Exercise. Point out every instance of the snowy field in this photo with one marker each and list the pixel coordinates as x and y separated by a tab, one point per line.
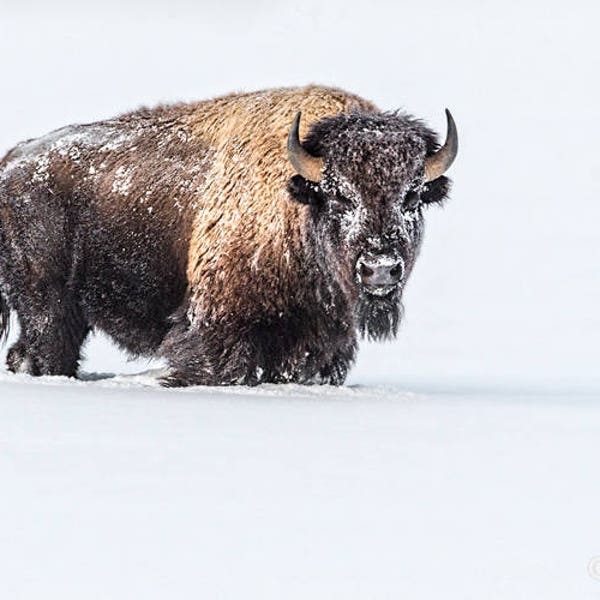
116	490
461	461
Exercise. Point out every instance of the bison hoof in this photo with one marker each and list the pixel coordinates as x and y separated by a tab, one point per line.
17	360
178	379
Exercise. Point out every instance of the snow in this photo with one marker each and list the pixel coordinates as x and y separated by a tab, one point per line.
115	489
462	460
122	181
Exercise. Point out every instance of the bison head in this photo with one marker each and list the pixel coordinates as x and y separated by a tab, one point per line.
367	178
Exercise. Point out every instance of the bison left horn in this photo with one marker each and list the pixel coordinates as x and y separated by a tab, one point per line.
437	164
307	165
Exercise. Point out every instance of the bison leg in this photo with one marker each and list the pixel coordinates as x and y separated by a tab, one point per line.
208	358
250	353
335	372
16	358
52	333
182	348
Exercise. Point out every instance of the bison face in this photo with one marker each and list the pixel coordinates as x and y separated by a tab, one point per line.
368	178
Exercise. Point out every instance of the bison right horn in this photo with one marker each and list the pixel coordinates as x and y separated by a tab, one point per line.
307	165
437	164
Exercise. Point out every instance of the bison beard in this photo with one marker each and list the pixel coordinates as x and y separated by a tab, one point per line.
184	232
378	318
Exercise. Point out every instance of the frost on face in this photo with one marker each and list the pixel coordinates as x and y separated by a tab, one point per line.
352	222
408	220
354	216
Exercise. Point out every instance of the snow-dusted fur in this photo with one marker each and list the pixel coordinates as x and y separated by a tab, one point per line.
183	232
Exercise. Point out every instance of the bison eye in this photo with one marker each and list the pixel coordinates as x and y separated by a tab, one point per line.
412	200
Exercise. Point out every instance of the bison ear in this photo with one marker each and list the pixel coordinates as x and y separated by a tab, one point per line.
436	191
304	191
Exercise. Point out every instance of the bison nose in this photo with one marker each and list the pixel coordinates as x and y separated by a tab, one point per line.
380	270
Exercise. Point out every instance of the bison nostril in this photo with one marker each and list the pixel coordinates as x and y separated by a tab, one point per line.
365	271
396	271
380	271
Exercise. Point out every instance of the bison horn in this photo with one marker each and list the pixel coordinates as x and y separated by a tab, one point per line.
437	164
307	165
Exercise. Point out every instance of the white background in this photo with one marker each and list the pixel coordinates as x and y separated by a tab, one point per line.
473	472
507	288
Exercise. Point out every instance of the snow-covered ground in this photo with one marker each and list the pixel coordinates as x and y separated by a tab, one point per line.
116	490
461	461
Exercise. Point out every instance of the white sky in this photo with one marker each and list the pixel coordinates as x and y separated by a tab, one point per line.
507	287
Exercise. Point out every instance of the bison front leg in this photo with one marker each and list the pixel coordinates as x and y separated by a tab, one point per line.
203	358
333	370
334	373
249	353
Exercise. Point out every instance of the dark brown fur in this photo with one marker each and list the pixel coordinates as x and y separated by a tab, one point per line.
174	230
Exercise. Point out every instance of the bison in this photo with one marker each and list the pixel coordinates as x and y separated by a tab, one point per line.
245	239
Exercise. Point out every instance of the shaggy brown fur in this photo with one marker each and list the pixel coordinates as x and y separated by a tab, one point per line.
175	231
245	213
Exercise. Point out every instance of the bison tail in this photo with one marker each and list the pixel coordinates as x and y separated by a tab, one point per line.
4	319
